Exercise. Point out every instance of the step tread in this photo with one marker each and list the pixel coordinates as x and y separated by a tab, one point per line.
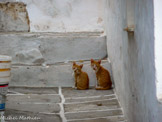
33	90
29	98
85	99
92	105
70	92
92	114
104	119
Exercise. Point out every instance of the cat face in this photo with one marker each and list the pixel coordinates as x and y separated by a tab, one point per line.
95	64
77	68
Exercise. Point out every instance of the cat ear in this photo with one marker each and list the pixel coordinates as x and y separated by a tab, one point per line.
81	65
99	61
74	63
92	60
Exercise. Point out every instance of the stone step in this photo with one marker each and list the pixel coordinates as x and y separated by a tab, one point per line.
33	107
51	75
30	98
92	114
21	116
91	105
32	90
85	99
50	48
71	93
104	119
34	103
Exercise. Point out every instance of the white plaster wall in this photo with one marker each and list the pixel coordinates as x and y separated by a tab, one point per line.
158	45
158	53
65	15
132	59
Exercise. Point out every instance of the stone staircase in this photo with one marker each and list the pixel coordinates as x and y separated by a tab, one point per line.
42	78
44	59
62	104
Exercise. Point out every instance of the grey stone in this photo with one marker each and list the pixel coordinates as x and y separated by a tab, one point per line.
14	17
30	98
71	93
50	76
31	55
85	99
33	90
33	107
105	119
92	114
41	117
52	48
92	105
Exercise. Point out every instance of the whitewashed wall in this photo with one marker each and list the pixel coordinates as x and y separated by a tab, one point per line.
158	44
64	15
158	53
132	59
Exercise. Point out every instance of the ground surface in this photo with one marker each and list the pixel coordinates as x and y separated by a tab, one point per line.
62	104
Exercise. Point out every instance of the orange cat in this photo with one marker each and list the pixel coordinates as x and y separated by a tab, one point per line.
81	78
103	76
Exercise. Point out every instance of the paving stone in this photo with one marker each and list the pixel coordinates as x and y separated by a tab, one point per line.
40	117
33	90
106	119
30	98
93	98
33	107
93	114
93	105
71	93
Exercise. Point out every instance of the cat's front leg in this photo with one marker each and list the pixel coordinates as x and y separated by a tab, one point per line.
97	84
75	83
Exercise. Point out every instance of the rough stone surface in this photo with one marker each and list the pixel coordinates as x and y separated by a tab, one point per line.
41	117
50	48
14	17
33	107
92	105
39	98
71	93
93	98
104	119
33	90
132	59
50	76
92	114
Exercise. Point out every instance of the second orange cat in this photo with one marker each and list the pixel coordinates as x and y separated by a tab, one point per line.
103	76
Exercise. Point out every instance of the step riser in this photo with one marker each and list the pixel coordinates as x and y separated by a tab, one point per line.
93	105
29	48
53	76
90	114
104	119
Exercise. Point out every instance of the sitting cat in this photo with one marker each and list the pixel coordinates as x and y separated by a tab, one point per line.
103	76
81	78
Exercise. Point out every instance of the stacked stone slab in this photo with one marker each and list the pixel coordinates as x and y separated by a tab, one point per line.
45	59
